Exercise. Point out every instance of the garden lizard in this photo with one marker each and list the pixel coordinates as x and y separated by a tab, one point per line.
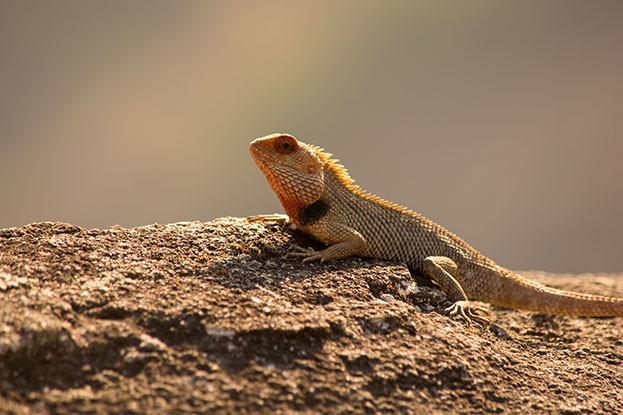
321	199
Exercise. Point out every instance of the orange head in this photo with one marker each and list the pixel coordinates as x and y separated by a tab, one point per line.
293	169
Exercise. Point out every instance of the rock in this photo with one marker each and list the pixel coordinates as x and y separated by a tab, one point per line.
199	317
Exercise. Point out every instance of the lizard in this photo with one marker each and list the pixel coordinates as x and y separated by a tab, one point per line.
321	199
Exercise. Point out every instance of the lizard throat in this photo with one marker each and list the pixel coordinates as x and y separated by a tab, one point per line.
299	195
314	212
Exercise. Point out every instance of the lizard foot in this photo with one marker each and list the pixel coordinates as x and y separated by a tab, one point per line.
308	254
470	312
274	219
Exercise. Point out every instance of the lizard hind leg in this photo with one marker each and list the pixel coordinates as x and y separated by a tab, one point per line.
442	270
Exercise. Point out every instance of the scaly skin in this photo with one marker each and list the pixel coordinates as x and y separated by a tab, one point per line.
320	198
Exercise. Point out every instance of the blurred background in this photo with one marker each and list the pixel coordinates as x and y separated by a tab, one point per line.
503	121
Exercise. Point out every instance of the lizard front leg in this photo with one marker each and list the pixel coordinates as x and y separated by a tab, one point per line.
343	242
442	270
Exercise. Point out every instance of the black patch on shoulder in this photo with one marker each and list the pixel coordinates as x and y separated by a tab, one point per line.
311	214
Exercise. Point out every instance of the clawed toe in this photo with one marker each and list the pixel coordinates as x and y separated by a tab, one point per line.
470	312
301	250
308	254
276	219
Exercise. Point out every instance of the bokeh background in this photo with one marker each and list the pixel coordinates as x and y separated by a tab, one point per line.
502	120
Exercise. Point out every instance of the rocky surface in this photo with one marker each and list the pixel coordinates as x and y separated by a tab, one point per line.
208	318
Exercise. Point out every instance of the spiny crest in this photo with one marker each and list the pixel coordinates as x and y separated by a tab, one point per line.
339	171
332	165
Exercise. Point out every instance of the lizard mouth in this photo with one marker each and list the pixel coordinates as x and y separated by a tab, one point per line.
264	159
260	155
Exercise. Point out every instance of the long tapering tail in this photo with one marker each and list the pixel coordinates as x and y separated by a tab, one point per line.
533	296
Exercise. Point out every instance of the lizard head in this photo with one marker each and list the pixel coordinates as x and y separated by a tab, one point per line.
293	169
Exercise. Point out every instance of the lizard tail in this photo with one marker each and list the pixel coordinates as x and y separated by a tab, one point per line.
533	296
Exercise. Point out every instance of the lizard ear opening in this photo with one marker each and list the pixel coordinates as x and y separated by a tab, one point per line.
313	168
285	145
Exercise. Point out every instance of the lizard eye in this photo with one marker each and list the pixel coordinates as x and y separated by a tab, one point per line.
285	145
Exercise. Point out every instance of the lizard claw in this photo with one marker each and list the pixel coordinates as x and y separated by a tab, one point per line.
308	254
276	219
470	312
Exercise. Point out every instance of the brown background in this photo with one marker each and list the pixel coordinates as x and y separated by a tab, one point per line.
501	120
